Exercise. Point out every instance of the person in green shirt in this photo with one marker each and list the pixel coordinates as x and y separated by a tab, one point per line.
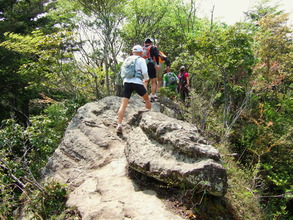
170	81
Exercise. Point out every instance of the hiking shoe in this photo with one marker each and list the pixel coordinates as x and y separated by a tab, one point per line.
119	130
152	99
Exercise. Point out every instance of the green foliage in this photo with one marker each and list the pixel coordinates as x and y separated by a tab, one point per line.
25	151
255	101
8	203
41	52
143	18
169	23
260	10
264	135
26	53
221	69
105	18
61	15
47	203
204	115
168	93
21	16
48	67
266	138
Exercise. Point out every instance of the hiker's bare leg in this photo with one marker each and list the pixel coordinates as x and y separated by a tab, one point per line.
121	110
159	73
145	83
153	86
154	81
159	84
146	98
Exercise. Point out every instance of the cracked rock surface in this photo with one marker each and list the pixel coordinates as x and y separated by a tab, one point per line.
94	162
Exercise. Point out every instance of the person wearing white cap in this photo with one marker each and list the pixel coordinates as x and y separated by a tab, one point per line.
134	83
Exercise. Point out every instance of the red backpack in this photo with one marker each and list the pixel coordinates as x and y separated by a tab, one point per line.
182	79
146	52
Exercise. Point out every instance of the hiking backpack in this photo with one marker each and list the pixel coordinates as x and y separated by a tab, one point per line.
128	68
182	79
147	54
162	57
172	78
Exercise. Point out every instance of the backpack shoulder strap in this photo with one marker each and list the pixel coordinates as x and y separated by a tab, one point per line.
136	72
146	52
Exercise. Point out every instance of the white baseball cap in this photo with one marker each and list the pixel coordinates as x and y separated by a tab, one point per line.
137	48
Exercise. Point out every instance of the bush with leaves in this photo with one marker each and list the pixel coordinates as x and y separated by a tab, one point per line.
25	151
47	201
264	141
168	93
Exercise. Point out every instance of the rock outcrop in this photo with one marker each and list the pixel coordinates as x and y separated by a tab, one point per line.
94	161
172	151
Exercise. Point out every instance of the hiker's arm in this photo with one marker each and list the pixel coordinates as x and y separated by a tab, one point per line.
167	62
156	54
164	81
187	80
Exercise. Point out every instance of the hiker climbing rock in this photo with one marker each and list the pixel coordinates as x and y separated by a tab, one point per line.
151	56
133	71
159	73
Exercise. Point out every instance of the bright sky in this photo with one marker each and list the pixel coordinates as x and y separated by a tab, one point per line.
231	11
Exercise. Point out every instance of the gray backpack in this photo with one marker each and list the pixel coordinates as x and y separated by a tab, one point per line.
128	68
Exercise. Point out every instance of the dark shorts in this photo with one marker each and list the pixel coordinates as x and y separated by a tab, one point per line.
151	70
130	87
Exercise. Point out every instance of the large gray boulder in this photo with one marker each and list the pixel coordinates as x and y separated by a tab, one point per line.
93	161
172	151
